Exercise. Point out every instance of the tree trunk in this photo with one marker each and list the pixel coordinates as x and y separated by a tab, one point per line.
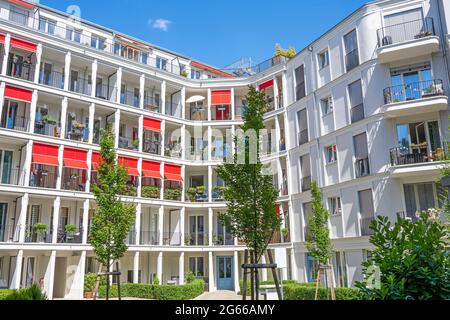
317	282
256	278
252	277
97	281
244	283
107	278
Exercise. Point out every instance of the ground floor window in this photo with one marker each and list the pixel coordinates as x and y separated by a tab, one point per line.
340	269
130	276
196	266
312	266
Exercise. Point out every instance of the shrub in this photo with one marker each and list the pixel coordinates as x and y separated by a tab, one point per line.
271	282
89	282
5	293
157	292
150	192
301	292
189	277
32	293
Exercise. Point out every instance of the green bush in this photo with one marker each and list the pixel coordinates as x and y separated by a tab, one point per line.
271	282
156	292
172	194
150	192
5	293
301	292
32	293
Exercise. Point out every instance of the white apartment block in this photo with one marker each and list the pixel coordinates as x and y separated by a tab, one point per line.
363	110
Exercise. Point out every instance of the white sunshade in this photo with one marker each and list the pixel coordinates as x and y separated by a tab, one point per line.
195	99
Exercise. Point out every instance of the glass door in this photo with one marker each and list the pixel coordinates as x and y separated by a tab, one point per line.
225	278
5	166
28	272
196	230
3	228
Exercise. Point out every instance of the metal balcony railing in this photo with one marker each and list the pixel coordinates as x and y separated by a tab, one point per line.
53	79
80	85
70	237
72	179
152	104
129	98
78	134
128	143
413	91
152	147
24	71
17	123
45	128
406	31
43	179
362	168
196	239
35	237
222	239
403	156
105	92
172	238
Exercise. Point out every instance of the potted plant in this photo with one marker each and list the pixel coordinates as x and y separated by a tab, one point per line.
150	192
184	73
285	232
172	194
89	284
40	229
201	190
49	120
187	240
135	144
192	193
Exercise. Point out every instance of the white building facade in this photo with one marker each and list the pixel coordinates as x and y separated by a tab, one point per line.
363	111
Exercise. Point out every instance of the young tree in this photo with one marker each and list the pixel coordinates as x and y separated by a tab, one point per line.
113	219
318	241
410	260
251	210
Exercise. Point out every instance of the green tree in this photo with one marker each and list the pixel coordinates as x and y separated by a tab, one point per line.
251	210
410	260
113	218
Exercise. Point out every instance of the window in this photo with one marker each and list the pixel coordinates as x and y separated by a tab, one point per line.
305	165
161	63
410	83
196	266
340	269
331	154
324	59
361	155
94	40
300	90
351	50
303	135
420	197
130	275
144	57
73	35
335	205
326	105
195	74
366	210
46	25
356	101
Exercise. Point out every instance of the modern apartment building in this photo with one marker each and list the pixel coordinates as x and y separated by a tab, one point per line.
363	110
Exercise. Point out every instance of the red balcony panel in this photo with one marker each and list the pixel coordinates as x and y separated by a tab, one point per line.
152	124
131	164
221	97
172	173
266	85
151	169
18	94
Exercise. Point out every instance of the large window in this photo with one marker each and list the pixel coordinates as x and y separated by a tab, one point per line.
335	205
361	155
161	63
420	197
410	83
324	59
300	90
327	105
305	164
351	50
356	101
46	25
302	120
366	210
196	266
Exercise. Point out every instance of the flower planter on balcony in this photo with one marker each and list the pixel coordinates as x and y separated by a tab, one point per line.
150	192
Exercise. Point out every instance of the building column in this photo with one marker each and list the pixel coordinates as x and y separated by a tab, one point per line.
279	174
77	288
163	97
68	62
60	167
182	225
161	225
56	211
49	277
64	107
183	176
210	227
141	132
23	217
161	172
27	163
94	78
159	266
37	69
236	272
293	266
233	144
2	98
89	170
209	105
210	184
119	85
183	103
233	105
15	281
137	225
91	122
163	138
181	268
210	146
85	226
263	271
7	47
139	188
277	134
284	87
141	91
275	93
33	105
211	272
117	128
136	268
183	142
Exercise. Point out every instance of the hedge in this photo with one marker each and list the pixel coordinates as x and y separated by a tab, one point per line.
301	292
271	282
156	292
5	293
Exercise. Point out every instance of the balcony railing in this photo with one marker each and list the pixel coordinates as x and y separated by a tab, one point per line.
52	79
17	123
105	92
35	237
150	192
80	85
351	60
131	237
413	91
406	31
149	238
47	129
152	104
70	237
24	71
357	113
173	150
128	143
362	168
306	184
407	215
365	226
403	156
152	147
11	176
172	238
43	179
78	134
196	239
173	194
9	233
223	239
129	98
73	180
284	190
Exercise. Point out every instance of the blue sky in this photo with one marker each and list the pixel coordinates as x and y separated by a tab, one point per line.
218	32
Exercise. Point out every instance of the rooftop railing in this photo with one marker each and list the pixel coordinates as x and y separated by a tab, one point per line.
406	31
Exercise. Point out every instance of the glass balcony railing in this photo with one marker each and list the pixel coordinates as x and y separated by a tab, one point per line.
413	91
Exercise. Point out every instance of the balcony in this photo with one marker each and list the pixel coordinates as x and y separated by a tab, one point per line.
130	98
407	163
78	133
415	98
73	179
128	143
172	238
173	150
152	103
150	238
10	176
131	237
105	92
196	239
407	40
36	235
81	86
43	177
131	187
152	146
220	239
150	191
197	194
47	127
70	234
173	194
9	232
16	123
24	71
218	194
365	226
362	167
52	79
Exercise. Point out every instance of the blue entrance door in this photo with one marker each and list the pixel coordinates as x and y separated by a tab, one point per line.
224	266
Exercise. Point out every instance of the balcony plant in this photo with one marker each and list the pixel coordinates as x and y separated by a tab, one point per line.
150	192
187	240
135	144
285	232
40	229
192	194
130	191
172	194
49	120
184	73
89	284
219	192
70	229
280	52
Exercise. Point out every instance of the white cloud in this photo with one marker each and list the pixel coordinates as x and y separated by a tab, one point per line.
161	24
